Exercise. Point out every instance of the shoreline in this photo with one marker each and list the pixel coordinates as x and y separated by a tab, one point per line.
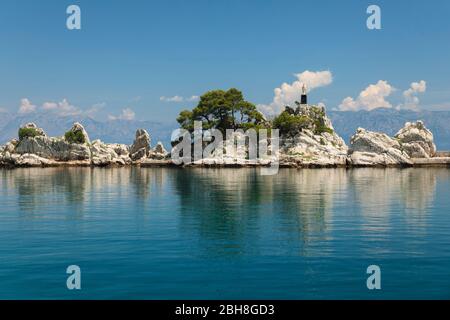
416	163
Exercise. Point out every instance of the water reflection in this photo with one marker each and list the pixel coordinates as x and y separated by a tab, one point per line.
236	211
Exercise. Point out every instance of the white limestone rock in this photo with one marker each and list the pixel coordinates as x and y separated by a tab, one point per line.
30	160
309	149
53	148
416	140
105	154
376	149
141	145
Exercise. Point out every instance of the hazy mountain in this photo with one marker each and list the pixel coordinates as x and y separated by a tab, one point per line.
390	121
120	131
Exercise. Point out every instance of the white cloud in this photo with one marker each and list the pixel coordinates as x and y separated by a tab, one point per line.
63	108
411	100
179	98
49	106
172	99
127	114
193	98
287	93
26	106
372	97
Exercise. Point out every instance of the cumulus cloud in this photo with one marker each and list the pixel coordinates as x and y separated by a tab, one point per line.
411	100
63	108
26	106
287	93
127	114
372	97
179	99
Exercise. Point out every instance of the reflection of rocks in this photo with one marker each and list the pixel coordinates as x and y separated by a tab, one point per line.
418	188
379	191
238	201
238	212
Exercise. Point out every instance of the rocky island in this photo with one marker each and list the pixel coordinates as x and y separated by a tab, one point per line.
307	139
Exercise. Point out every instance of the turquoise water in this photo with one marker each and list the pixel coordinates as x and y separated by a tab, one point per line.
160	233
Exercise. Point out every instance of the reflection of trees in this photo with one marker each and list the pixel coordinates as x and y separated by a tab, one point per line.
305	200
218	204
248	210
233	211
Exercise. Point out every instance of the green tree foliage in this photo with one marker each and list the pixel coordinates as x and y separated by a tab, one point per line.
291	124
292	121
75	137
27	133
222	110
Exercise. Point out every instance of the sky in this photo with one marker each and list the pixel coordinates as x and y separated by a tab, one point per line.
149	60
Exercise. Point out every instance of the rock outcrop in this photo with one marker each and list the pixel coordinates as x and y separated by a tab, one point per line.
416	140
313	145
158	153
78	128
309	149
53	148
37	131
141	145
373	148
107	154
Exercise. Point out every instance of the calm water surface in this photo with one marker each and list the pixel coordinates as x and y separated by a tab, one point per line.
159	233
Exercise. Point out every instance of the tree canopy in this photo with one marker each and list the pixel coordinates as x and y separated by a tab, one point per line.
222	110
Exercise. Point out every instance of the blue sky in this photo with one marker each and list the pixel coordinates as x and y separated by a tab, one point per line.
129	54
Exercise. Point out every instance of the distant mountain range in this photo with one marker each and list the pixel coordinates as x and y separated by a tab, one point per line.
123	131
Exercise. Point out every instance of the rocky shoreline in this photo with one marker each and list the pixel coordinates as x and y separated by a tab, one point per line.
412	146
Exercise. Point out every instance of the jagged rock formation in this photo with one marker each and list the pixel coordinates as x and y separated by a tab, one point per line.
57	149
35	148
141	145
314	143
416	140
374	148
309	149
78	128
107	154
